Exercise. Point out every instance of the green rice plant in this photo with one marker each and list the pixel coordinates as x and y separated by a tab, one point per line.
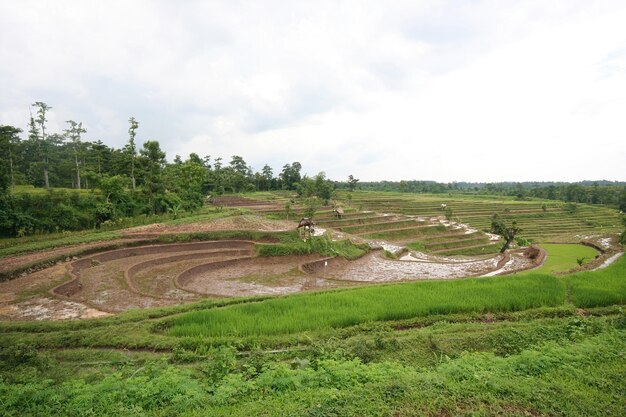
480	250
599	288
320	311
563	257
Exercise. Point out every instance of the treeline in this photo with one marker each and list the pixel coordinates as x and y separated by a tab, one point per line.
111	183
596	192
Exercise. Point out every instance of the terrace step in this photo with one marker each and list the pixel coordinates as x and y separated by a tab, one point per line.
441	251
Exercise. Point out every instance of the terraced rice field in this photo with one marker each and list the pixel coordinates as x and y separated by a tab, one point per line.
540	220
152	275
419	219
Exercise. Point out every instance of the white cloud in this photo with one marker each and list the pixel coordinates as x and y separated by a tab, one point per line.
424	90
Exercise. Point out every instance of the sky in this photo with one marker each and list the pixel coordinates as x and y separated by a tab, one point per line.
417	90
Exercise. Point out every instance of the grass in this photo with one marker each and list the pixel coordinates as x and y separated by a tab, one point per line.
346	308
16	246
417	245
31	189
563	257
291	244
481	250
34	243
599	288
526	365
319	311
497	346
512	345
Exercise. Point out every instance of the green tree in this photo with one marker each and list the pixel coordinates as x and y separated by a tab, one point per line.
42	109
267	175
73	134
187	181
290	176
508	232
101	154
152	162
352	182
323	187
238	164
131	149
9	142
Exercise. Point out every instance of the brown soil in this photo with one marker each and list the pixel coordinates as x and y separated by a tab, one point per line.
165	274
13	262
243	222
25	298
252	276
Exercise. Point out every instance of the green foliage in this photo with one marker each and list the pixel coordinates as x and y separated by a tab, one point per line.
418	246
311	205
564	257
507	231
291	244
340	309
599	288
570	208
52	211
521	241
352	183
380	350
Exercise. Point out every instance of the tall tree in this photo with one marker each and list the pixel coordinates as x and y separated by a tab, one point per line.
352	182
239	165
290	175
73	134
267	174
42	109
152	162
101	154
9	141
131	149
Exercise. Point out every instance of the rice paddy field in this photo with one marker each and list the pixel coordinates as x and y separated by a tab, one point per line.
549	341
406	218
565	257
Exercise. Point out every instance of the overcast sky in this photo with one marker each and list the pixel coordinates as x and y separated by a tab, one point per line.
440	90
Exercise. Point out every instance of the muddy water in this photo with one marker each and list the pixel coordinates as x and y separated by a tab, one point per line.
375	268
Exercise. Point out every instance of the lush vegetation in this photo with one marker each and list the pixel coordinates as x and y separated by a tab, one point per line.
531	344
484	360
565	257
346	308
120	183
612	193
292	244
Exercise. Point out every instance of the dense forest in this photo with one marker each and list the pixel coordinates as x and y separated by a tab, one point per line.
111	183
590	192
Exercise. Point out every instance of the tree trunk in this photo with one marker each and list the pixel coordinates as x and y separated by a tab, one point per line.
77	170
45	158
506	245
45	173
11	171
132	172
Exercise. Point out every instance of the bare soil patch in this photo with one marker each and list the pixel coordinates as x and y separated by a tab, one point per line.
243	222
256	276
13	262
